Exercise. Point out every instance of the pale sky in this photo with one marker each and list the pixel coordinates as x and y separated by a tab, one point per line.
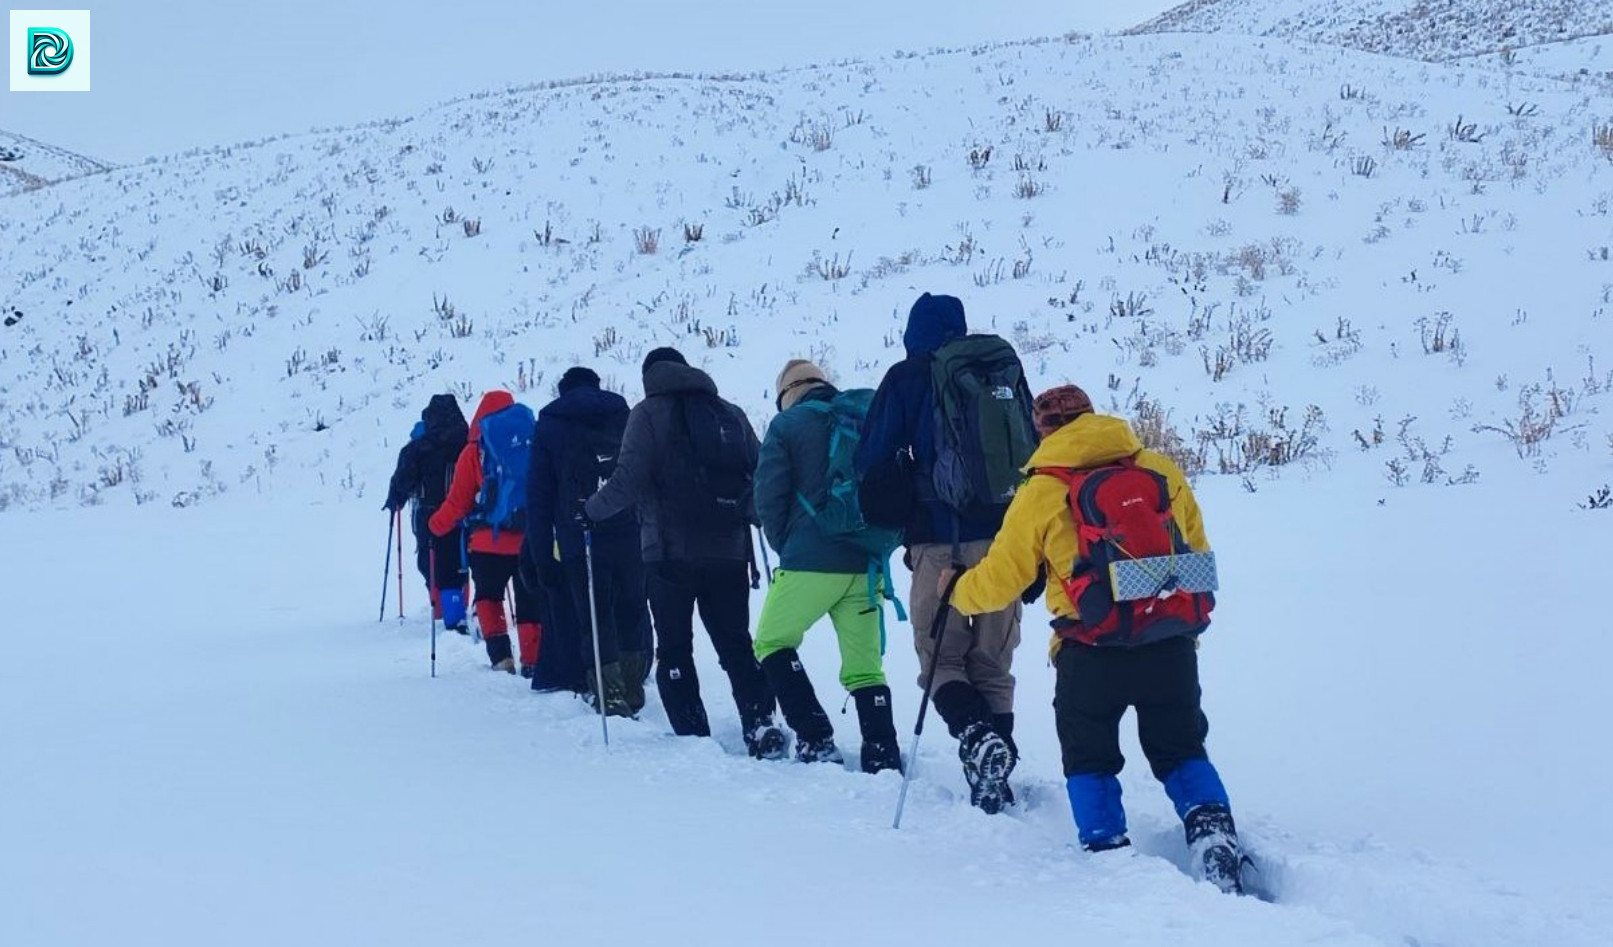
174	74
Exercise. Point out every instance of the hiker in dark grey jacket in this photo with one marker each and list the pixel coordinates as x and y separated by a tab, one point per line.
685	466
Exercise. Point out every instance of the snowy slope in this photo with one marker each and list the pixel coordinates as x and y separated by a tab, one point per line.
1420	29
267	318
223	746
1389	331
26	164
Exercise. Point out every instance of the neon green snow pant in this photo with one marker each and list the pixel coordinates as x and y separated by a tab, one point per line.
797	600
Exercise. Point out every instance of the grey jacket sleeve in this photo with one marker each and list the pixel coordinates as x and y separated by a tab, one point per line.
630	484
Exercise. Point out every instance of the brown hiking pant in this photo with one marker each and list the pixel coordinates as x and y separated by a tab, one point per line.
977	650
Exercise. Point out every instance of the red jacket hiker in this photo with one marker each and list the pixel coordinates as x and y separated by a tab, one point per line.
492	558
467	484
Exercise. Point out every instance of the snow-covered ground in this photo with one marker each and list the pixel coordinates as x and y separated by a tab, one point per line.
1587	60
210	739
1369	297
1434	30
26	164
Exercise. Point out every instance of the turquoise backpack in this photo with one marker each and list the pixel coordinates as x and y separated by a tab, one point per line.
839	513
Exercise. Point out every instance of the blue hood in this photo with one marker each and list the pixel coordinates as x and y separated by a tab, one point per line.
932	322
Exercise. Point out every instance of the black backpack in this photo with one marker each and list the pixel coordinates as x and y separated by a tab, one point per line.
985	431
711	489
588	461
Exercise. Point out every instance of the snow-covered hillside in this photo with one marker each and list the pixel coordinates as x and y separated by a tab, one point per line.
26	164
1368	301
1420	29
1288	252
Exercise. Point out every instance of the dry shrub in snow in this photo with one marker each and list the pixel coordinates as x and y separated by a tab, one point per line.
1602	137
1153	424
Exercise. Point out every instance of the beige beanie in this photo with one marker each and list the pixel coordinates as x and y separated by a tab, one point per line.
798	377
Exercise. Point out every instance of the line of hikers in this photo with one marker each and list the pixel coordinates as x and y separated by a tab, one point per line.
591	510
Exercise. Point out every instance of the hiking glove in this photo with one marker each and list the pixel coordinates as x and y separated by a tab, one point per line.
1035	589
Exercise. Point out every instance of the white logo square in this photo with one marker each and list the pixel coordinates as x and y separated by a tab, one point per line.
49	50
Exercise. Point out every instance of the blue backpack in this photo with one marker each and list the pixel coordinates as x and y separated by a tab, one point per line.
838	513
506	447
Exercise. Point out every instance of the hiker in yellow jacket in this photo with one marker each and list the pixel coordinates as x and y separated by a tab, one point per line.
1153	667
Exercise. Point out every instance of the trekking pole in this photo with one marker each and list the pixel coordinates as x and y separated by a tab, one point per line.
386	570
593	618
400	564
767	564
431	559
938	630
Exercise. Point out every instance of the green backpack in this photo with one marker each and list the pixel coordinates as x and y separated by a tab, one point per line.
984	430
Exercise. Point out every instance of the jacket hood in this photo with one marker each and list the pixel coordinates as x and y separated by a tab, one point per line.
585	404
1090	440
823	391
933	322
492	402
671	378
445	423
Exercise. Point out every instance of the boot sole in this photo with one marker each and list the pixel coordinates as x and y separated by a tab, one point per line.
991	793
771	745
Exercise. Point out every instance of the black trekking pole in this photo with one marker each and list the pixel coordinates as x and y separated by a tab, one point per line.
386	570
938	630
593	617
436	603
400	565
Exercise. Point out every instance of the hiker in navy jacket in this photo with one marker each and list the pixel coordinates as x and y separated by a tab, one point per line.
586	419
974	682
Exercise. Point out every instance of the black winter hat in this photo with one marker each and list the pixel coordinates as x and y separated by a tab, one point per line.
663	354
577	377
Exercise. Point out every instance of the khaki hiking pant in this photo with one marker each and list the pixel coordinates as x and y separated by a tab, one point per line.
978	650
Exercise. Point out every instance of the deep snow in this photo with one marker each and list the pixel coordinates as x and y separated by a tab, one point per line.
211	739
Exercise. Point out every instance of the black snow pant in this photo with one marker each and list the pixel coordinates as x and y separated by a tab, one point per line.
720	589
446	553
561	665
1097	684
618	594
491	572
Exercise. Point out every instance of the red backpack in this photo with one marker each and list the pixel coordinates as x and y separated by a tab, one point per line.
1122	512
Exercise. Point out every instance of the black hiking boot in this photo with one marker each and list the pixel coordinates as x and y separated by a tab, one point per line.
498	653
880	750
817	751
800	704
1004	725
764	741
1212	847
635	667
987	761
615	692
1107	845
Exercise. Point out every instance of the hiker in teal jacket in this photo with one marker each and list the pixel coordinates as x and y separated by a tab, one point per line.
818	575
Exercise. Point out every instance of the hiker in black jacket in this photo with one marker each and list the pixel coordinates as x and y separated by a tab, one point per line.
574	448
425	465
685	466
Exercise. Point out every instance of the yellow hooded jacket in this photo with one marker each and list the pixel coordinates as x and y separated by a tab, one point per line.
1038	528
